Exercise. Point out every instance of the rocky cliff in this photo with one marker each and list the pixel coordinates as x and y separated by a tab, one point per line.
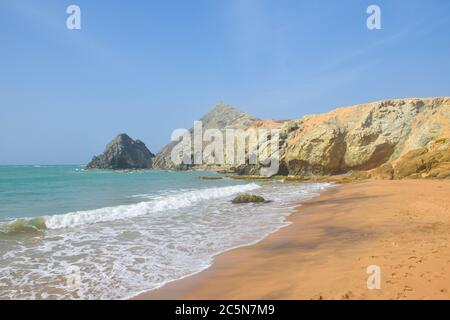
123	153
366	137
221	117
404	138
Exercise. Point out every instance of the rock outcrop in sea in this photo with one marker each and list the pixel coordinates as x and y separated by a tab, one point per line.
123	153
391	139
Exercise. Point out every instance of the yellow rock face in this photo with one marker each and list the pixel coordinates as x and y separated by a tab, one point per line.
368	137
432	162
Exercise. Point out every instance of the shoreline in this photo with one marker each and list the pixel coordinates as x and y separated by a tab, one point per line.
286	224
331	240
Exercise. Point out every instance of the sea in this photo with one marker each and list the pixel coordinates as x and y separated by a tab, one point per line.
71	233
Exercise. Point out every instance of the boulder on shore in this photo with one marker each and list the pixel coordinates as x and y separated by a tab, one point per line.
248	198
123	153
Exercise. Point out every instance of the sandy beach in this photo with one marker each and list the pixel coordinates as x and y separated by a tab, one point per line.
400	226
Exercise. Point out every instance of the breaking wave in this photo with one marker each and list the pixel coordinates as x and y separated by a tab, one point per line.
158	204
19	226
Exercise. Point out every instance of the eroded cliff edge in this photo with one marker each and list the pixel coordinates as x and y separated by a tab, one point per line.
403	138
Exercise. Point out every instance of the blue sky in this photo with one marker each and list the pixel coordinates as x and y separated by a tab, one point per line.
148	67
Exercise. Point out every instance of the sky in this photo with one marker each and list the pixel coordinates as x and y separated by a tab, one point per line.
149	67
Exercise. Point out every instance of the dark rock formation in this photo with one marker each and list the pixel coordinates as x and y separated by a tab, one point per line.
123	153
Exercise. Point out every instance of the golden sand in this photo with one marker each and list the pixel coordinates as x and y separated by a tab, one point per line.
401	226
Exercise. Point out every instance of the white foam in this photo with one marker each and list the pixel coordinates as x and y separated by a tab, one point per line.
122	258
176	201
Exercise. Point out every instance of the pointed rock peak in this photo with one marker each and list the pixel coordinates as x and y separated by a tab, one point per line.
221	108
224	115
125	140
122	137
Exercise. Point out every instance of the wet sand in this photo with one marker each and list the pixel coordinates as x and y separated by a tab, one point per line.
403	227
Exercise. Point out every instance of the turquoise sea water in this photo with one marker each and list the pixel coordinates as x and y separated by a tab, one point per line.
31	191
75	234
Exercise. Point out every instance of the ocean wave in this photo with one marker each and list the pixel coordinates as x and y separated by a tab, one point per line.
121	259
158	204
19	226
